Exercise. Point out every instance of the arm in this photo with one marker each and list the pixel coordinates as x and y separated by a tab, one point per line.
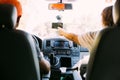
86	40
44	66
70	36
43	63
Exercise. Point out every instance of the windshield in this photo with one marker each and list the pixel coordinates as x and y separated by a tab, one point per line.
85	16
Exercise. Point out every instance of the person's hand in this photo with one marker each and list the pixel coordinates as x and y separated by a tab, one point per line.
61	31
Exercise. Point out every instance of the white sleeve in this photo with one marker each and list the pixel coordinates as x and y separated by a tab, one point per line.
39	53
86	40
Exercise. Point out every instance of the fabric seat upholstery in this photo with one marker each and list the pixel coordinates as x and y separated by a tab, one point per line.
18	56
104	63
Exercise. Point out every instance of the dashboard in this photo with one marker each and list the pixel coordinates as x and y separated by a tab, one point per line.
61	52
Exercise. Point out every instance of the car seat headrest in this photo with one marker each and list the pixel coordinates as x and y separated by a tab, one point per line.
8	16
116	12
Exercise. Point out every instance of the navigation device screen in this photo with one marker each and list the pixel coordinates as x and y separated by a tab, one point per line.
56	25
61	44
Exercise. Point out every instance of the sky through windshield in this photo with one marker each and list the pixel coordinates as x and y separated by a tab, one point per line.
85	16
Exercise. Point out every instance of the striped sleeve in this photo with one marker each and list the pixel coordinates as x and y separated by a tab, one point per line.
86	40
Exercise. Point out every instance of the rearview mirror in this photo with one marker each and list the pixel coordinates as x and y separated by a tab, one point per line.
60	6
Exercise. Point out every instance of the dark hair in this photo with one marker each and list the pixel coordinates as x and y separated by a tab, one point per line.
107	18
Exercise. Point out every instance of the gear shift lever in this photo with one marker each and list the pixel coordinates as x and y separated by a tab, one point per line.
53	60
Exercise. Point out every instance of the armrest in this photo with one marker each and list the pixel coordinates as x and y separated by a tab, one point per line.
76	75
46	76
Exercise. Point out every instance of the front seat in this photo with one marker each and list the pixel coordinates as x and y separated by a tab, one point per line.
104	63
18	56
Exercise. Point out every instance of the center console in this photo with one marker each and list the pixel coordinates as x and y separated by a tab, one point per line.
61	53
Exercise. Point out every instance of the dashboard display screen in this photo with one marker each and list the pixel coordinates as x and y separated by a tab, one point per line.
61	44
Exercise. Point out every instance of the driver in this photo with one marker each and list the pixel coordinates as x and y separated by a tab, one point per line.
44	64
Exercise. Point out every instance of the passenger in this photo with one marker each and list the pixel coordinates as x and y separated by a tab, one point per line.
87	39
44	64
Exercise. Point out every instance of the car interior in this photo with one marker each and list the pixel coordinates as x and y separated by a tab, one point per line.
19	60
104	60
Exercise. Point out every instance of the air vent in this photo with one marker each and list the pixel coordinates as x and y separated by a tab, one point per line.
74	44
48	43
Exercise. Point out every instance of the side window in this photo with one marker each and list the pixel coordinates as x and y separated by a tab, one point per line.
83	52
